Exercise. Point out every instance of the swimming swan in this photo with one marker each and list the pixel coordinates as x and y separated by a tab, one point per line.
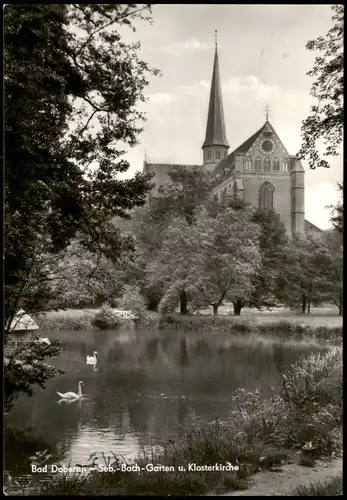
91	360
72	395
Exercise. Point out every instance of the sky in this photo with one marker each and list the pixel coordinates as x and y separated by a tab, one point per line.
263	61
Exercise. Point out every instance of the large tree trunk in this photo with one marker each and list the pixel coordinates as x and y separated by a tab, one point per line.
183	302
237	307
309	298
304	302
215	309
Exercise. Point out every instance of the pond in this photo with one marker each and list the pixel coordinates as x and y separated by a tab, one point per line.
141	392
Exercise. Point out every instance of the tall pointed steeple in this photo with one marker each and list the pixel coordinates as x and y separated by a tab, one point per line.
215	146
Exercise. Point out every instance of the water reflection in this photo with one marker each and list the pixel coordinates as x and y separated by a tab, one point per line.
141	391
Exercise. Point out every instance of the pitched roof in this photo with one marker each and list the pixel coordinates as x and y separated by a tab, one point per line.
229	162
23	321
309	227
215	129
162	170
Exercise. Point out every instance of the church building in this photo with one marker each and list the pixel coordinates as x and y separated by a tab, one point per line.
260	171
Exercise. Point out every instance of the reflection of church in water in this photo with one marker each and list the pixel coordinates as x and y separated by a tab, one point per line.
260	171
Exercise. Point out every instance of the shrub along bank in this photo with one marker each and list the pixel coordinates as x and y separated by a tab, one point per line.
104	318
305	417
280	329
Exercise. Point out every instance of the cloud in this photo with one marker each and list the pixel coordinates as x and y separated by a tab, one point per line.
161	99
287	54
192	44
246	84
196	88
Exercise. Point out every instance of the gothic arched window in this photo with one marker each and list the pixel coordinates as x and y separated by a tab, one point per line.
267	164
217	155
208	155
285	164
276	165
257	164
266	196
248	163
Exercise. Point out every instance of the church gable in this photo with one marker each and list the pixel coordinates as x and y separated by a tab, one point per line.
267	147
261	153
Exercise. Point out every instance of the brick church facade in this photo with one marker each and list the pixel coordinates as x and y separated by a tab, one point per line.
260	171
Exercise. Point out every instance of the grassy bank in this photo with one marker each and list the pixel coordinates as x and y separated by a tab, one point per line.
89	319
301	420
282	329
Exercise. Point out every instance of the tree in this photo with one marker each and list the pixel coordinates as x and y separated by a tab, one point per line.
169	268
25	367
186	190
81	278
214	258
309	273
333	241
179	198
80	83
227	256
132	300
327	116
72	87
337	212
273	244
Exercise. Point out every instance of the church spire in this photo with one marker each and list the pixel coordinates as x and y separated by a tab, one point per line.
215	130
215	145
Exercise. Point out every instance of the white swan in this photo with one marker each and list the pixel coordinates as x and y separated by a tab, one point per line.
91	360
72	395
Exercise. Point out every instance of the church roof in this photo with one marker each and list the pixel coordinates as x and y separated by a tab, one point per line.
229	162
309	227
215	129
162	170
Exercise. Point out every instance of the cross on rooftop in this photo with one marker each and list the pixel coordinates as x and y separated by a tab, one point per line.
267	111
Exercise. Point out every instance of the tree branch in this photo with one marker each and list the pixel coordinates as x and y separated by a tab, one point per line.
107	25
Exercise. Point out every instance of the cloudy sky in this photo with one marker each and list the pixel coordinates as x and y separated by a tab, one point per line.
263	60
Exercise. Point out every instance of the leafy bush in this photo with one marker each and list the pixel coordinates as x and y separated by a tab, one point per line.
312	390
105	319
132	300
67	322
25	367
201	323
331	487
220	324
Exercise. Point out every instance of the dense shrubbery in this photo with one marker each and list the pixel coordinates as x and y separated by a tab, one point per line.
25	367
105	319
312	391
66	322
133	301
329	488
220	324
